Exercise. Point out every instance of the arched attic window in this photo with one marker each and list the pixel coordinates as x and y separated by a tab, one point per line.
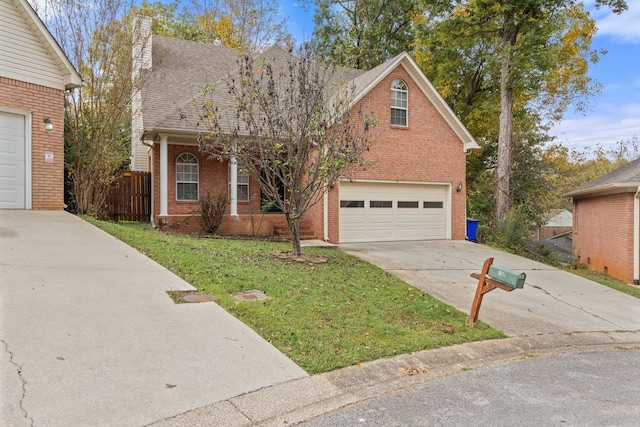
187	176
399	103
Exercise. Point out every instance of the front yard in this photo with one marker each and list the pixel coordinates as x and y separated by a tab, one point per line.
322	316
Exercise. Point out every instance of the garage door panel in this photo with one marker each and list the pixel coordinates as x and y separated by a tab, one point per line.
12	161
410	212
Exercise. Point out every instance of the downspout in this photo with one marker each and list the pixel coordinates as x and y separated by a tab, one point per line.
164	180
325	215
233	183
636	238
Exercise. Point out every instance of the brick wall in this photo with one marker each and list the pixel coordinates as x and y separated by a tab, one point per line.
41	102
603	234
183	216
427	150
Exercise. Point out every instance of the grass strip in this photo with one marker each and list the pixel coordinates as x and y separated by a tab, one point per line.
324	316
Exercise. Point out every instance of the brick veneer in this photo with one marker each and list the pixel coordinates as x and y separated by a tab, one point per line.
603	234
427	150
41	102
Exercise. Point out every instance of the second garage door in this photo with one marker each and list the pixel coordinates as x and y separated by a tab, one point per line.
378	212
12	161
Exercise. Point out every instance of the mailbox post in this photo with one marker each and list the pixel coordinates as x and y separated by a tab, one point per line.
490	278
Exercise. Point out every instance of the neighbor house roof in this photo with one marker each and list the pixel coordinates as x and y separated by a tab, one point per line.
172	97
626	178
70	75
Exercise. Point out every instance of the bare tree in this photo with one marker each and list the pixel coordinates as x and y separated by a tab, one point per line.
291	126
96	36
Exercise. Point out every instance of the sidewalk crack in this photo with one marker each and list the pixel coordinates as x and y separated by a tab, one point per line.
22	380
576	307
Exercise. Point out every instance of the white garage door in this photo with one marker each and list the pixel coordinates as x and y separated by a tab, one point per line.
12	161
378	212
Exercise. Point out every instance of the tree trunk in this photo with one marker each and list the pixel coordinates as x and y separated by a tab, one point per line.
504	137
294	230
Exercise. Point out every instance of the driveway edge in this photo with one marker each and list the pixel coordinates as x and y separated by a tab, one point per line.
300	400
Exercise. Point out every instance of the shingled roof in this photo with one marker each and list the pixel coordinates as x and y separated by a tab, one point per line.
182	68
624	179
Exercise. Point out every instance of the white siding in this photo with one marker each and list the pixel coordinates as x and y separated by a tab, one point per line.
23	55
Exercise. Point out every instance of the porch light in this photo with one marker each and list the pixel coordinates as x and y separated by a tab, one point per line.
459	188
48	125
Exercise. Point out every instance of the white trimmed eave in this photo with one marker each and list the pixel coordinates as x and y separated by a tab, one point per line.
71	76
154	133
468	141
604	190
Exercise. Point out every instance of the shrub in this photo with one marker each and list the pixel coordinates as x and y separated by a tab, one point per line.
212	207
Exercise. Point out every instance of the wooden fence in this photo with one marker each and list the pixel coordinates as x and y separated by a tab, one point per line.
130	197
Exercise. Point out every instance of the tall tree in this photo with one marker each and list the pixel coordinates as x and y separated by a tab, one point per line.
169	20
251	25
362	33
96	36
292	128
515	54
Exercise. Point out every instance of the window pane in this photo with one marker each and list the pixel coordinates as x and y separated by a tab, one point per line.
352	203
243	193
187	177
380	204
411	205
398	117
433	205
187	191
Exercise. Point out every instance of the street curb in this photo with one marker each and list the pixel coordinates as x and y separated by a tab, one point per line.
302	399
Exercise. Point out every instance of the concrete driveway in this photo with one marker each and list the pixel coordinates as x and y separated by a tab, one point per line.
552	301
88	335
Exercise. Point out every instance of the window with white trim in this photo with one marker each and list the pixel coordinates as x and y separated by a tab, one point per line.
399	103
187	175
243	183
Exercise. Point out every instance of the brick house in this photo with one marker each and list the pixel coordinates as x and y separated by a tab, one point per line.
34	75
606	223
416	191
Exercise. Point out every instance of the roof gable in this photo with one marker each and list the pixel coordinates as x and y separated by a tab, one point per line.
28	51
367	81
623	179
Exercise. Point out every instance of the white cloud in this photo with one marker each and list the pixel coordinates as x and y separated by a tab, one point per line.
611	124
624	27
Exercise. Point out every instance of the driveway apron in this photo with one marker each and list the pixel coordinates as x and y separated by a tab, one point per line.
552	301
90	337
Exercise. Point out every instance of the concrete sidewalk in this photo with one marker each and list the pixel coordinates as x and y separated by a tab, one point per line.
88	335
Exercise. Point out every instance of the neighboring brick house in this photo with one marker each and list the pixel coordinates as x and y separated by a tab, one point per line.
416	191
606	223
558	221
34	75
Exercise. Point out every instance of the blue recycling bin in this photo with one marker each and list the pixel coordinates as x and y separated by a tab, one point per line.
472	229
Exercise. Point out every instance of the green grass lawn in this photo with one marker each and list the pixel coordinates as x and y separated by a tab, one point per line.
324	316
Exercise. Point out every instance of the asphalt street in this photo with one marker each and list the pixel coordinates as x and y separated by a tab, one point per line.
585	389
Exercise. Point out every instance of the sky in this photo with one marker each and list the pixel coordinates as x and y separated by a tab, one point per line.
614	114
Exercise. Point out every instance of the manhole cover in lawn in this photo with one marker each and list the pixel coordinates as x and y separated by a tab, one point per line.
199	298
253	295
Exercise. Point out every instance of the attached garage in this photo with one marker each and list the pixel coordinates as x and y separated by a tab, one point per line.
34	77
378	211
12	161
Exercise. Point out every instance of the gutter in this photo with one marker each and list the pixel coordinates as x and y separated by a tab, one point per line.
636	238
